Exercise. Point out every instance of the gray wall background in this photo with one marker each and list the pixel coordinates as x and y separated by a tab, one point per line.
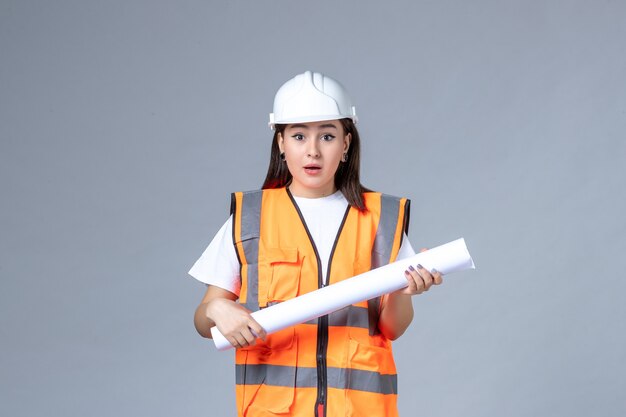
124	126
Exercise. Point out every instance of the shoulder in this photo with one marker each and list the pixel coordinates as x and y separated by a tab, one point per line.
239	195
374	200
388	209
253	201
248	199
258	193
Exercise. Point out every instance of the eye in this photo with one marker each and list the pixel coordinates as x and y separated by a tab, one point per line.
328	137
298	136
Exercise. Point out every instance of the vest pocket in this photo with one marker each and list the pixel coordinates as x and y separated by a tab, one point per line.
370	357
268	377
285	265
371	378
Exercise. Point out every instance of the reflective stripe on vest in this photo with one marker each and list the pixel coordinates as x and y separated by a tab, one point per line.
340	378
278	262
246	231
392	217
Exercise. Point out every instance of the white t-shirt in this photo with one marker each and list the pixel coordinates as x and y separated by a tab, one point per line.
219	266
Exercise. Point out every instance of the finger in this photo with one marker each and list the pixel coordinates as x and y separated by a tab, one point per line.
423	250
248	336
437	277
412	287
233	341
257	329
241	340
426	276
417	280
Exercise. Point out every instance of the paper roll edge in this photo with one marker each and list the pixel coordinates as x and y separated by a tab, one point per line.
470	262
219	340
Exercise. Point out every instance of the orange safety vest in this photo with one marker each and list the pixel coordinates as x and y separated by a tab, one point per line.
336	365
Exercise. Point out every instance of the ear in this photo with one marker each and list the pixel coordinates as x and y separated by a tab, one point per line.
346	142
280	142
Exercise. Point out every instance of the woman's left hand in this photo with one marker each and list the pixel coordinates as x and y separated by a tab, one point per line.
420	279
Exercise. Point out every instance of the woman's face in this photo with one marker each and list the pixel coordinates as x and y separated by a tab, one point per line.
313	152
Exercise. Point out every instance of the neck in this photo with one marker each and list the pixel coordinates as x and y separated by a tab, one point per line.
311	193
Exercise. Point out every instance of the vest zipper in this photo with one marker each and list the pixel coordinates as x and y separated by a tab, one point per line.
322	377
322	322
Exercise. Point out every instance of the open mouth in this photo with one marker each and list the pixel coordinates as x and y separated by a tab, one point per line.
312	169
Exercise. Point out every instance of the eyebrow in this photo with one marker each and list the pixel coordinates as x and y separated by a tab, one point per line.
324	126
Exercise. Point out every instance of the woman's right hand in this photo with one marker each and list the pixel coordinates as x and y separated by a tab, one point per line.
234	322
218	308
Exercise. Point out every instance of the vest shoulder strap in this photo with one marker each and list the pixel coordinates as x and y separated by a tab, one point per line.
245	208
393	224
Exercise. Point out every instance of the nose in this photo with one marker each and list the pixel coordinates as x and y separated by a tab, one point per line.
313	149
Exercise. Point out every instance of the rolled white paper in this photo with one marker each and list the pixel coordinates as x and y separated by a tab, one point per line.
451	257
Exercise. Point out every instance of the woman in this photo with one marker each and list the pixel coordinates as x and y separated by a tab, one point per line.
312	224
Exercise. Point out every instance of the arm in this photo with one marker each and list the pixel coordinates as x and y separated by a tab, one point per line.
396	314
202	319
397	308
219	308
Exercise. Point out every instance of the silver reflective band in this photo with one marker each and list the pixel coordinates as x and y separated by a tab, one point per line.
383	245
385	233
250	232
350	316
340	378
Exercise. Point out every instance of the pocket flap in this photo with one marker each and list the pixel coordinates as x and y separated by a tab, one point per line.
278	255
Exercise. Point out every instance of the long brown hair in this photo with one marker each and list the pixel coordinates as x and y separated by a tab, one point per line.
347	178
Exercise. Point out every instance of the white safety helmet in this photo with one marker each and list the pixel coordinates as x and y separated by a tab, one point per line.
311	97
